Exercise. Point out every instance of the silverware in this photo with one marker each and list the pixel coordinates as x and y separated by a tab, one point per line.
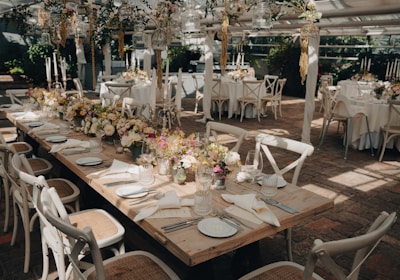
182	225
116	183
138	192
157	196
174	225
226	220
280	205
225	214
75	152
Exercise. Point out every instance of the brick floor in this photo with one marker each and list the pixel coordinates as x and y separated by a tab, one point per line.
361	186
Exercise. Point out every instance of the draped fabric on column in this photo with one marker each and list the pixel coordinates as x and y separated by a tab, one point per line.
147	55
208	76
107	57
311	83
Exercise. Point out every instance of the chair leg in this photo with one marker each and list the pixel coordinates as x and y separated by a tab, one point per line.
325	127
288	237
349	130
7	207
370	138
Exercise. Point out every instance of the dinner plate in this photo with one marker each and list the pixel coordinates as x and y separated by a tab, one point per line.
56	139
132	191
35	124
89	161
214	227
5	105
281	181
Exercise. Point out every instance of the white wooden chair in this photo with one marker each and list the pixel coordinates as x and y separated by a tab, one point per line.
121	89
199	94
130	107
251	96
270	82
225	134
69	244
22	202
108	232
79	87
327	253
324	81
344	110
19	147
299	150
109	99
277	97
217	97
392	127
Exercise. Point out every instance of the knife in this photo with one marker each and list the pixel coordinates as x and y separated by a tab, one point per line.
280	205
111	184
179	224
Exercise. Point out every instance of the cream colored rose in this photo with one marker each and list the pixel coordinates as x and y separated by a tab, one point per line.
109	129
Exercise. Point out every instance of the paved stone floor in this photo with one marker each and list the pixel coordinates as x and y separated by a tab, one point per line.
361	187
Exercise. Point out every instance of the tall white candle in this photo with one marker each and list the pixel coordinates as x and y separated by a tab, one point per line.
394	68
63	65
369	65
238	60
387	70
362	64
55	64
138	63
126	61
233	59
166	79
242	59
133	61
48	68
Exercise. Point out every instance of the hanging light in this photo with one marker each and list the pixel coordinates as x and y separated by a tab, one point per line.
159	39
190	19
262	16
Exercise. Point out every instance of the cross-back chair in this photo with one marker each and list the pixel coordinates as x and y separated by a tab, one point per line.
217	97
68	243
109	99
121	89
392	127
107	231
251	96
299	149
22	200
20	147
199	93
130	107
324	81
224	134
326	252
79	87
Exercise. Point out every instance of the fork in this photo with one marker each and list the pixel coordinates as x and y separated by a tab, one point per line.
157	196
226	220
228	216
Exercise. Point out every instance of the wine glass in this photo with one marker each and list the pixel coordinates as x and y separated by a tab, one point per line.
253	164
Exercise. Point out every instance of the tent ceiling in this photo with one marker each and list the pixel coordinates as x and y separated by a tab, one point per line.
339	17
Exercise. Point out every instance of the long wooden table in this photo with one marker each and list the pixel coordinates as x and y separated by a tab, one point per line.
189	245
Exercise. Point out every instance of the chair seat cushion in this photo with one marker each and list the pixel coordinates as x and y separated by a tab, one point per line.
132	266
285	271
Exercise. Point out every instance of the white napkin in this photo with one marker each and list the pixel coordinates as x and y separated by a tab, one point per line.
46	127
242	176
29	116
71	143
250	203
117	168
170	200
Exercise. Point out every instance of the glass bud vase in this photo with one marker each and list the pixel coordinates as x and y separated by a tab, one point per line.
220	181
179	176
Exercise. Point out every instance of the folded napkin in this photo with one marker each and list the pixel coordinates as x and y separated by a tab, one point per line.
46	127
170	200
71	143
250	203
29	116
117	168
242	176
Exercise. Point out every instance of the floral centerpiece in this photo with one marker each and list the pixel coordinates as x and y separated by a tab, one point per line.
50	99
133	131
134	75
222	160
394	91
365	77
238	74
77	108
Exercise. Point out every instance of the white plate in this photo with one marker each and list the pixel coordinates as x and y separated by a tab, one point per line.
281	181
5	105
56	139
138	191
89	161
214	227
35	124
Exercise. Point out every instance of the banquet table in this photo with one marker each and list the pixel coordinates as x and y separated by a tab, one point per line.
188	244
234	89
377	111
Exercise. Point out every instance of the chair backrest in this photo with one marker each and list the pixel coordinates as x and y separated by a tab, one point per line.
252	89
264	141
394	114
216	87
279	88
344	108
79	87
326	78
109	99
178	91
121	89
129	105
363	245
225	133
107	78
270	83
5	153
195	82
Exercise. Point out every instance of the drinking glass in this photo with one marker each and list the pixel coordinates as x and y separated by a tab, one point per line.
253	164
203	195
146	176
269	185
148	152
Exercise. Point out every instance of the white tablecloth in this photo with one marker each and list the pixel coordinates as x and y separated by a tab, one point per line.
234	89
377	112
140	91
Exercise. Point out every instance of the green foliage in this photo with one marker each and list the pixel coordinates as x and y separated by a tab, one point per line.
14	66
181	56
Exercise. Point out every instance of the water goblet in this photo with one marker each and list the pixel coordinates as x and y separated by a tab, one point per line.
253	164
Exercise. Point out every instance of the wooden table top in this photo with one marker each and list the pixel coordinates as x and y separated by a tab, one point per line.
189	244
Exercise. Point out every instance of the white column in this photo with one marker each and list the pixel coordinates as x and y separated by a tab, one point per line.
147	54
107	57
311	83
208	77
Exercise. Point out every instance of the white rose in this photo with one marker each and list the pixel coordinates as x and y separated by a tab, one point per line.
232	158
109	129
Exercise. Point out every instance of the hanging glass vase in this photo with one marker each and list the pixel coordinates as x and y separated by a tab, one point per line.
190	20
262	16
